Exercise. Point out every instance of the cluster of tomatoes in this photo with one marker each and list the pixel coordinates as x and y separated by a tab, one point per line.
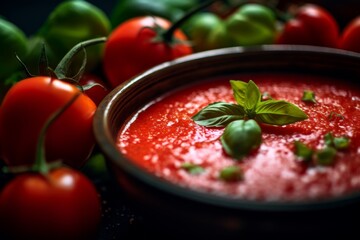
46	122
314	25
250	24
62	203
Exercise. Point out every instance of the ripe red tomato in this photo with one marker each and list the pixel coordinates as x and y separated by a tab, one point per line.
62	204
311	25
133	47
96	93
24	110
350	37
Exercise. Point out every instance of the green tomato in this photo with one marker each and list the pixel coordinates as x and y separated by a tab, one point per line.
12	41
252	24
199	27
207	31
219	38
72	22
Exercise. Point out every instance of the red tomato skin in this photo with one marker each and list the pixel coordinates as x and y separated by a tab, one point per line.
130	48
27	106
312	25
63	204
96	93
350	38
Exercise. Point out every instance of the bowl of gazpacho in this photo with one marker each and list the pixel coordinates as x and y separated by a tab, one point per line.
237	141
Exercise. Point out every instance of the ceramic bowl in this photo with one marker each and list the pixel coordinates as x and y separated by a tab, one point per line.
184	212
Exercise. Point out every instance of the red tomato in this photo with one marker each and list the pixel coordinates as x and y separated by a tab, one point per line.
63	204
133	48
350	38
311	25
27	106
96	93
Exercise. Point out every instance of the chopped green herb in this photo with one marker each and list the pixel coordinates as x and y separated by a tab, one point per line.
303	152
231	174
192	168
341	143
329	139
308	96
325	156
334	115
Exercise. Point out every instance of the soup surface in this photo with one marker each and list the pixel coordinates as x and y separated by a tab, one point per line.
161	137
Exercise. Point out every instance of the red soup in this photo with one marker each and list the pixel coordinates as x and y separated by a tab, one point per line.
162	136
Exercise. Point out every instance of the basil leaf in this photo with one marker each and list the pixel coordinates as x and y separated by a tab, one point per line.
239	90
219	114
279	112
308	96
240	137
231	174
252	98
192	168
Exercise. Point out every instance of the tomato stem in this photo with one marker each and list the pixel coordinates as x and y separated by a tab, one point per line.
169	34
62	68
40	163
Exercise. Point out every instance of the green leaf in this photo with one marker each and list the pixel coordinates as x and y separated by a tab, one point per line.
239	91
334	115
279	112
219	114
240	137
252	98
192	168
341	143
303	152
231	174
308	96
329	139
326	156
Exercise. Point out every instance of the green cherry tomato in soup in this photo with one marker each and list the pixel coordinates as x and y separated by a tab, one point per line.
24	110
12	40
62	204
137	45
311	25
350	37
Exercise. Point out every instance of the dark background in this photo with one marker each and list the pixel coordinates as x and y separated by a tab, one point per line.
29	15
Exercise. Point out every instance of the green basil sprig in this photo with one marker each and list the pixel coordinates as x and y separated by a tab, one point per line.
249	106
242	135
